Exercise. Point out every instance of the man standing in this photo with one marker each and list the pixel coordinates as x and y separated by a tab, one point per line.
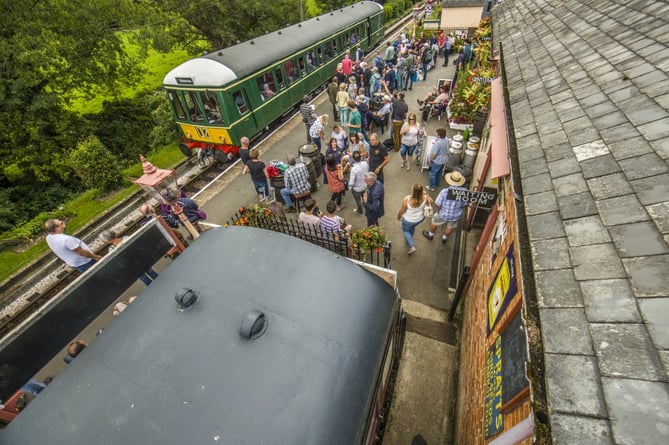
357	182
74	252
244	150
437	159
399	115
296	182
450	210
389	55
447	49
308	115
411	69
333	89
354	124
347	64
373	199
378	156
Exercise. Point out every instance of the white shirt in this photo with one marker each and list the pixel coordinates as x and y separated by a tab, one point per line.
63	246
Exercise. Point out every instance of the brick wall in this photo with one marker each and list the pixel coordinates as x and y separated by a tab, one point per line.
475	341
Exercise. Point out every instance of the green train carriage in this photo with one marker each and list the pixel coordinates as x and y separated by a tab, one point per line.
220	97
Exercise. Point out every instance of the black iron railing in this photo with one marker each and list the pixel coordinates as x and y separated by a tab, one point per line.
337	242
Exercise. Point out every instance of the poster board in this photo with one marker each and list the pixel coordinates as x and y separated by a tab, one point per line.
513	358
502	290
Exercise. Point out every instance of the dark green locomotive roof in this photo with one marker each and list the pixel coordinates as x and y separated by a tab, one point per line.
236	62
158	375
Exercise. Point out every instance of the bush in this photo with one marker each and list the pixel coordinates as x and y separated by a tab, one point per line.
95	165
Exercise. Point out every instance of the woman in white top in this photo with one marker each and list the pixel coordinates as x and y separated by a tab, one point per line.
409	131
340	136
411	213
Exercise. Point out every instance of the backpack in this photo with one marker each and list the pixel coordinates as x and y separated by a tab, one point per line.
427	55
468	53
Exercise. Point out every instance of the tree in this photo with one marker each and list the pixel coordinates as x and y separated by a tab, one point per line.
95	165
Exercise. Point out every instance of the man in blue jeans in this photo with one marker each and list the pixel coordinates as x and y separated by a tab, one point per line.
437	159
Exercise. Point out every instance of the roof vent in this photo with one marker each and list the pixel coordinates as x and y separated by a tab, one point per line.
299	25
220	53
253	42
280	33
254	324
186	299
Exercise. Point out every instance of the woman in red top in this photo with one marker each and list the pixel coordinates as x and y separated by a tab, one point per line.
335	176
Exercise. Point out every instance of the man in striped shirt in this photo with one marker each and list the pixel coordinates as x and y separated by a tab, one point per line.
450	210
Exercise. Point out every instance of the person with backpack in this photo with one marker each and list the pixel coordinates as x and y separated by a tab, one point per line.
426	59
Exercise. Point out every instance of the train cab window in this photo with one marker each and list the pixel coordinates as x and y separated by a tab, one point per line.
278	75
240	102
193	105
266	85
292	74
176	105
212	107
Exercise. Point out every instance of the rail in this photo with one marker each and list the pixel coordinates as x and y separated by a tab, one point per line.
29	289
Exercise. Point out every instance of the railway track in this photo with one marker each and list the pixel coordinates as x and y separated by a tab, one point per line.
27	291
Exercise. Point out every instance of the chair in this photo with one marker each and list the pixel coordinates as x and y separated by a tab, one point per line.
300	198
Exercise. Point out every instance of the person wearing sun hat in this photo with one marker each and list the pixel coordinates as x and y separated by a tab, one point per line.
450	210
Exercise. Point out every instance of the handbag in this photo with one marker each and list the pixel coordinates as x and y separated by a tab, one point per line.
428	211
201	214
345	184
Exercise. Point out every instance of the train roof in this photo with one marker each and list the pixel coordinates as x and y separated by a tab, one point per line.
158	375
224	66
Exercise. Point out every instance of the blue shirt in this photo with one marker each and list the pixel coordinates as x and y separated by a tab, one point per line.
439	151
449	209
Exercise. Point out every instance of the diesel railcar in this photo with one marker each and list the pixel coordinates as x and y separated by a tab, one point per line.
272	340
238	91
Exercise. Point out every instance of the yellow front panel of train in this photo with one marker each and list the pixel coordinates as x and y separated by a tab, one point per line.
204	133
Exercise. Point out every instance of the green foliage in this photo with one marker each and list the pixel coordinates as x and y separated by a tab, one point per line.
78	213
394	9
95	165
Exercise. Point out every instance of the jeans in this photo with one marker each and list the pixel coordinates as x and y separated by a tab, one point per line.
446	53
317	141
336	197
84	267
343	115
435	174
425	64
148	276
407	150
285	193
358	201
408	229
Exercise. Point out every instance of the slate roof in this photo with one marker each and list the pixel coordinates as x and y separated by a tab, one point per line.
588	83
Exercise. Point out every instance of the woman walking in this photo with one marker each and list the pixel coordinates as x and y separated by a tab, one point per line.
335	176
412	213
258	172
410	131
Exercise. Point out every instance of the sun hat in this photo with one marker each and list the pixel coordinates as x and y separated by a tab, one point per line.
386	97
454	178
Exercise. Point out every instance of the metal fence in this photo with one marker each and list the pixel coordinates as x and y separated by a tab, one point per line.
337	242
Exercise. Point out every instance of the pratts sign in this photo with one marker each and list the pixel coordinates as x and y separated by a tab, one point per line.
478	199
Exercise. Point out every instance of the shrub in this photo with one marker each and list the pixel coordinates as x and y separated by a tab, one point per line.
95	165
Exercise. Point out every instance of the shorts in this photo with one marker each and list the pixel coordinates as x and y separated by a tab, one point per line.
438	221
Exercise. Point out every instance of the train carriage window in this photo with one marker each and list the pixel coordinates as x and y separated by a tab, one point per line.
334	46
211	106
240	102
291	73
176	105
311	61
193	105
278	75
319	53
303	68
266	85
328	51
